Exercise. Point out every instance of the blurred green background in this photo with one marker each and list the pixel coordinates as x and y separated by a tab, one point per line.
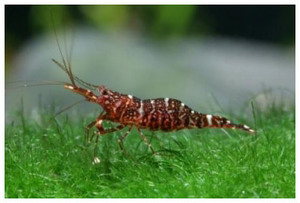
214	58
273	24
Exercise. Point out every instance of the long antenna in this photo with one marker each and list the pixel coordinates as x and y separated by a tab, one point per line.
65	66
67	107
83	83
66	62
14	85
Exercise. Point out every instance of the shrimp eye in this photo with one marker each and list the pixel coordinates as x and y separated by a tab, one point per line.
104	92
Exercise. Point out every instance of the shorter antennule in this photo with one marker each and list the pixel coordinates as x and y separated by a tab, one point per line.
211	121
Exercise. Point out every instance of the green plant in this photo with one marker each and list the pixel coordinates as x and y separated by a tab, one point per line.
54	161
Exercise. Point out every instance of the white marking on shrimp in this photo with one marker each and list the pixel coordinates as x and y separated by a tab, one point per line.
209	119
153	106
166	102
130	96
69	87
247	127
118	103
141	110
192	112
250	130
152	103
181	106
99	122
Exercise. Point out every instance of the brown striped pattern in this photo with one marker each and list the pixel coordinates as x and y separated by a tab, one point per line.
155	114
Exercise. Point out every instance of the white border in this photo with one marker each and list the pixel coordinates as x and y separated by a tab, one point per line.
2	140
